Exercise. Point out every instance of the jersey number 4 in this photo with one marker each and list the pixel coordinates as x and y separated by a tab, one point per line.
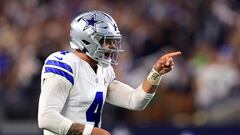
94	111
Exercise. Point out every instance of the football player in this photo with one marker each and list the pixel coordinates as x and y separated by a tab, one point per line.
75	85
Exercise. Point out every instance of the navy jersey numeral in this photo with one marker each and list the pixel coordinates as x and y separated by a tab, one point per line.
94	111
64	52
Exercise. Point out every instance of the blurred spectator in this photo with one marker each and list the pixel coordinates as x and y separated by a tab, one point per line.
215	79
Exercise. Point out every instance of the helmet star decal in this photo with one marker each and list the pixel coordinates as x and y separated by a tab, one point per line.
91	22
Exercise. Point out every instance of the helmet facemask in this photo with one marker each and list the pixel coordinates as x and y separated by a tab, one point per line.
108	50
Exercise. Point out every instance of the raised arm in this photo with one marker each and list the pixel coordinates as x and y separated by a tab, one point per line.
162	66
123	95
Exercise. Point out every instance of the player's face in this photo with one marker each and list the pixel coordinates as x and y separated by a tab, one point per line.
111	45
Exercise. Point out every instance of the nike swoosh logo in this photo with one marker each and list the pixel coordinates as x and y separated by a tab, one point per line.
104	27
60	58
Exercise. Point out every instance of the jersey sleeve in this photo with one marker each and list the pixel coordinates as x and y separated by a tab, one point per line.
58	64
56	82
54	93
122	95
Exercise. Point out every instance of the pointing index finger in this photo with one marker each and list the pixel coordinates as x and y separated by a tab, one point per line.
173	54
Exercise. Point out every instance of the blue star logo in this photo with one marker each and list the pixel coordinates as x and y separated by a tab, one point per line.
91	22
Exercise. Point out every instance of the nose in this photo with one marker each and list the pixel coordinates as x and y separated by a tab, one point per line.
110	45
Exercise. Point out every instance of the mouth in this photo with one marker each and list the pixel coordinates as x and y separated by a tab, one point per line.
107	55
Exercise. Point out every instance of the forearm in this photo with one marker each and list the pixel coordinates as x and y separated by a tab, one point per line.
76	129
149	88
122	95
152	81
79	129
54	122
141	96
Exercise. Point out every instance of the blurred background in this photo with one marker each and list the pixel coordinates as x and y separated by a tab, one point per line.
201	96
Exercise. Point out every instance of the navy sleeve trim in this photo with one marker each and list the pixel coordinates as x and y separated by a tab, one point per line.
60	72
60	64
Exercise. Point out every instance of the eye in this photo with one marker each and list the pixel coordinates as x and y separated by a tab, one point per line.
101	41
108	41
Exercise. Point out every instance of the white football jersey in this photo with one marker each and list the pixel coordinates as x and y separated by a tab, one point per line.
88	92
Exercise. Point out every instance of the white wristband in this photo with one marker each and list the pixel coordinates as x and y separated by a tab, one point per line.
87	129
154	77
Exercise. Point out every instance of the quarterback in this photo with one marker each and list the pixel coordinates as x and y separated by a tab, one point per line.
75	85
